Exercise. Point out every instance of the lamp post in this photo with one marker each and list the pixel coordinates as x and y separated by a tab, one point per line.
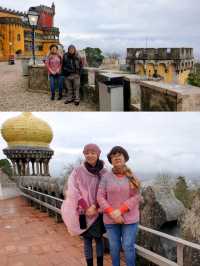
33	20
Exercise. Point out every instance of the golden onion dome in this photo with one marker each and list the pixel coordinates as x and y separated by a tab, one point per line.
26	130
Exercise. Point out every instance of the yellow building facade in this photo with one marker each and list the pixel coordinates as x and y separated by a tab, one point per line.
171	64
16	33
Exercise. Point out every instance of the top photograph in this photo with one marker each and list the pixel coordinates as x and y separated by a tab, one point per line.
99	56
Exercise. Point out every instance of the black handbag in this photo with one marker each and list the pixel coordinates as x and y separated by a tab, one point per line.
82	221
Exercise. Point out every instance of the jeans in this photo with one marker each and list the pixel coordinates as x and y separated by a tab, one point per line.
122	235
56	79
88	250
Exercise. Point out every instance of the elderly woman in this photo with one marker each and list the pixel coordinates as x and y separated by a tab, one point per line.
80	210
118	197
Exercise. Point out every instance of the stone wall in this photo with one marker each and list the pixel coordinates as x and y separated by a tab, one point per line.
169	97
38	79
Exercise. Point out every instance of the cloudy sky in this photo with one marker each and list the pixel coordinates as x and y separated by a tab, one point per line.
114	25
157	142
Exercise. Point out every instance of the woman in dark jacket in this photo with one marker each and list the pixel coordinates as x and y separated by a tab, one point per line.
71	69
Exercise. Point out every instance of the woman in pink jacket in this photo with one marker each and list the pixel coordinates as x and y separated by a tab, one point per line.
54	65
118	197
80	210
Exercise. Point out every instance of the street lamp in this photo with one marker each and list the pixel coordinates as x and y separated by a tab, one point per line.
33	20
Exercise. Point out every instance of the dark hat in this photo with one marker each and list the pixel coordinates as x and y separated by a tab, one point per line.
72	46
118	149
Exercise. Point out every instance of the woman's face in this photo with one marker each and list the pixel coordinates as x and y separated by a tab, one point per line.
91	157
118	160
54	50
71	50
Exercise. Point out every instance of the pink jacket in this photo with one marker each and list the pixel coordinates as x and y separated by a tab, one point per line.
54	64
82	186
114	192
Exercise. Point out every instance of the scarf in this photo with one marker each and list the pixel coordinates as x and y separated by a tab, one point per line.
133	180
95	170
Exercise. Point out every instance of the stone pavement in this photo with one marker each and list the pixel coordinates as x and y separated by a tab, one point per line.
29	237
14	97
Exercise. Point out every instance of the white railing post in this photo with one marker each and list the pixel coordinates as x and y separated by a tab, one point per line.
180	248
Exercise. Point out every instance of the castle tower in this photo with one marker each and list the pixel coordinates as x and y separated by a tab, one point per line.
28	139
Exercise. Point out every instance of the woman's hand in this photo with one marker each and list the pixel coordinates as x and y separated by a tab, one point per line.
117	217
91	211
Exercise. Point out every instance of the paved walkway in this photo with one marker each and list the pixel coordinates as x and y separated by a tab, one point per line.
9	191
29	237
14	97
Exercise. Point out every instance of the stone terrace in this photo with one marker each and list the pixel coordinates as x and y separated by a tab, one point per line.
29	237
15	97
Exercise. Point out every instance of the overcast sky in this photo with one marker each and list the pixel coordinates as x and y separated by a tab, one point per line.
156	142
114	25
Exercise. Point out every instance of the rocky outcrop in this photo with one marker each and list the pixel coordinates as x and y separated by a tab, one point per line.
160	210
190	230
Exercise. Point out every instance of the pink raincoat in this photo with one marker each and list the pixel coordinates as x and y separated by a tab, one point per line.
81	185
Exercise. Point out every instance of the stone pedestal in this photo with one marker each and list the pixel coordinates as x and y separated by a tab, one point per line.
160	96
132	84
38	79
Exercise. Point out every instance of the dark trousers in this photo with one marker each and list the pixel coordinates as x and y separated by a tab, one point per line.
88	250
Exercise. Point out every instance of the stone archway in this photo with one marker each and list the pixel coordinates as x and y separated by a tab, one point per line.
139	69
150	70
162	71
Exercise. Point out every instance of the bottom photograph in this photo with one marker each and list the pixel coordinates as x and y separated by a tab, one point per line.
99	189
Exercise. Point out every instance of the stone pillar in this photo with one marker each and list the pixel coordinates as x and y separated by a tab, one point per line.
37	167
33	167
14	173
27	167
46	167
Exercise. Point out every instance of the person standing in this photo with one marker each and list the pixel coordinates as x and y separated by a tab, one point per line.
80	210
71	68
118	196
54	66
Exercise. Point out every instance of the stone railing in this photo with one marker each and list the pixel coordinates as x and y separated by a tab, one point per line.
52	205
120	91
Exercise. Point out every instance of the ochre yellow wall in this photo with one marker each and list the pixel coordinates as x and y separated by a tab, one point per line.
171	73
139	69
4	14
10	33
162	72
182	77
150	70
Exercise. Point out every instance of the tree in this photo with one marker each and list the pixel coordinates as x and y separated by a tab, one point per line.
182	192
94	56
194	79
6	167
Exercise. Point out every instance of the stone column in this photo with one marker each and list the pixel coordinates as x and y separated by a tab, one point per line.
27	167
37	167
14	167
33	167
